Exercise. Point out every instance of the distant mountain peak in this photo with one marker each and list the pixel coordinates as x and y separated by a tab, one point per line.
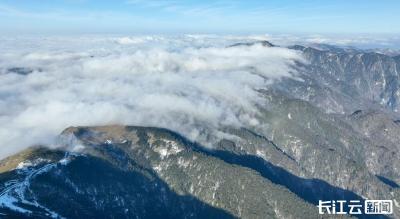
264	43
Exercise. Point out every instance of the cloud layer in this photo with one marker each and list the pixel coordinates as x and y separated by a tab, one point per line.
193	85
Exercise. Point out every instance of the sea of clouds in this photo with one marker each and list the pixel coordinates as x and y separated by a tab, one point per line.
191	84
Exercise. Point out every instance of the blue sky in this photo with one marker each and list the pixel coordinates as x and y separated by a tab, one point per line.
190	16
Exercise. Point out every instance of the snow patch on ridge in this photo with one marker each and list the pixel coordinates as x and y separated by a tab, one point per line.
15	190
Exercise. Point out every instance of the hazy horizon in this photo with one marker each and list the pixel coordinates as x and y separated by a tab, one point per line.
219	17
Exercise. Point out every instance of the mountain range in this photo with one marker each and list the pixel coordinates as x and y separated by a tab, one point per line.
332	132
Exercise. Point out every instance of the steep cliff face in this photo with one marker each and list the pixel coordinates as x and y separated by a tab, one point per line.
341	80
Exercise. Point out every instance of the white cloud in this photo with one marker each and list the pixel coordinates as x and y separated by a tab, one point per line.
188	84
